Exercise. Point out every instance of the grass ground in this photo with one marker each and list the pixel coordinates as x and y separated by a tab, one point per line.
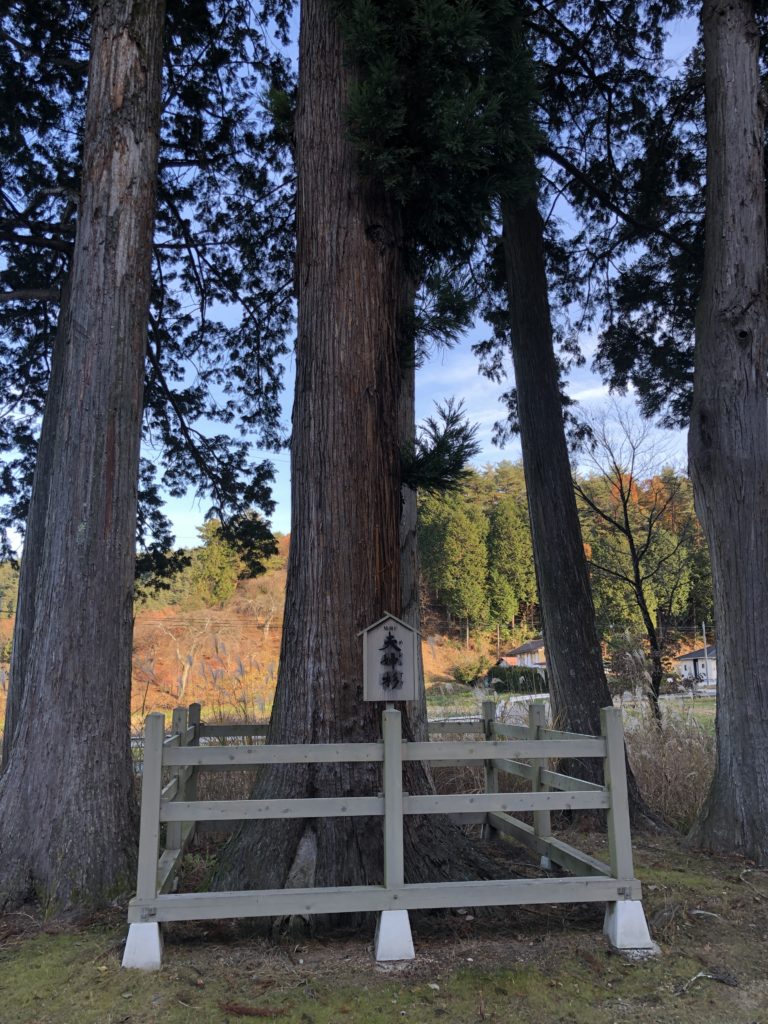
543	965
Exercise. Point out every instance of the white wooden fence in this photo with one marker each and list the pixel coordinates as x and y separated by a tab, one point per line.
522	751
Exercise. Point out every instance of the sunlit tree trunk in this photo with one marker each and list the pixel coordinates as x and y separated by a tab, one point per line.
66	803
344	566
728	439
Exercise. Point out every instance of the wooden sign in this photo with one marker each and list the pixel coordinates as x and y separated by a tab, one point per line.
389	660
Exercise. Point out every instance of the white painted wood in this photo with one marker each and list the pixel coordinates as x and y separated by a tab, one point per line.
200	906
377	673
143	947
517	768
537	722
394	858
435	750
556	734
278	753
626	927
393	939
245	810
459	728
170	790
233	731
454	803
614	767
561	853
514	732
151	781
179	728
491	771
568	782
193	718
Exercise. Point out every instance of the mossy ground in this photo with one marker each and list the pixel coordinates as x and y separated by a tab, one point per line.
540	965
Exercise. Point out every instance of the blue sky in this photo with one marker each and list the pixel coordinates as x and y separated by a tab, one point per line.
446	374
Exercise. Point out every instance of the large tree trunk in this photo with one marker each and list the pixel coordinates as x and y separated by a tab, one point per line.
577	681
728	440
66	804
34	537
344	563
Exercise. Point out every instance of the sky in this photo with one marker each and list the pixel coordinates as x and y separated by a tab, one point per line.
448	374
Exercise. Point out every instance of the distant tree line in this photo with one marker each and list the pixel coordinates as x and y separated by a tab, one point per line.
648	558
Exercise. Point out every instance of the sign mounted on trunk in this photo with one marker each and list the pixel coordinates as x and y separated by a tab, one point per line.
389	660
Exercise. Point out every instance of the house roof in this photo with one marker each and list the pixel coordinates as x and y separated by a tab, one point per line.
697	655
527	648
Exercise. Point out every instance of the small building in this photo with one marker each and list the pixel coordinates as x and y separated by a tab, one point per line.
700	664
531	654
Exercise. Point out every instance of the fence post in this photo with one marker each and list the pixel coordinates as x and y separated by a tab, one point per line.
625	924
174	829
193	719
143	947
393	939
615	774
491	773
542	823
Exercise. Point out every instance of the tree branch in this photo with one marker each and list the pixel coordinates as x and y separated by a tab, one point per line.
36	241
30	294
609	203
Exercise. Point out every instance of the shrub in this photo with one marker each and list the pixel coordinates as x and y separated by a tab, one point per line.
518	679
470	671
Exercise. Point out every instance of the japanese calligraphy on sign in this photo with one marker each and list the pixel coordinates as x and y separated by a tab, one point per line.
389	660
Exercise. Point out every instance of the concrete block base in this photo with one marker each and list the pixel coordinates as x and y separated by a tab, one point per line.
626	928
143	947
545	863
393	936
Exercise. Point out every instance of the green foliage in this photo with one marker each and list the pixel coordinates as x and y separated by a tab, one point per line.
222	253
511	576
9	585
216	566
469	672
437	460
475	546
439	116
208	575
518	679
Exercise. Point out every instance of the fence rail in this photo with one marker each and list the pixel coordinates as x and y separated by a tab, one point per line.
521	751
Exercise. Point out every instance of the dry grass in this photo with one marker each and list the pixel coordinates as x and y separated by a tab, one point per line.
673	765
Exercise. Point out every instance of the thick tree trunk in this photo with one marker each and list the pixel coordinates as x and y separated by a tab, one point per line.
66	804
34	537
728	440
344	566
578	687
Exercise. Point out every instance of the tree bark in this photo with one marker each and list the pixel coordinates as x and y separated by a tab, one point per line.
67	814
729	427
344	566
578	686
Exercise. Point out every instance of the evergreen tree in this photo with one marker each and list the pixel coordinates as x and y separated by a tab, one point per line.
221	254
511	579
465	572
397	130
